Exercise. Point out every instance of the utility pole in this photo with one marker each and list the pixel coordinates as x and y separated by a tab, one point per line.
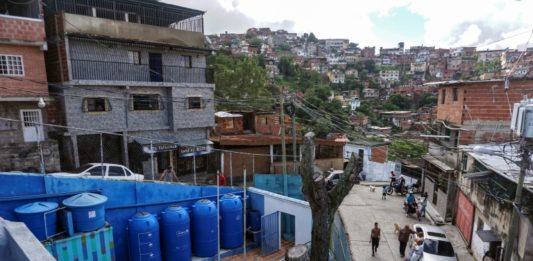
293	123
283	147
522	123
515	219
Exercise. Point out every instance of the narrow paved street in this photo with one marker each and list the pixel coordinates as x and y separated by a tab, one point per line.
361	208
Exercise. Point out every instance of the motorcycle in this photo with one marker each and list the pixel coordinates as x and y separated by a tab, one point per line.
410	209
397	187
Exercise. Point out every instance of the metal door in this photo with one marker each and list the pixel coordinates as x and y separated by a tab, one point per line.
32	127
270	235
156	67
465	217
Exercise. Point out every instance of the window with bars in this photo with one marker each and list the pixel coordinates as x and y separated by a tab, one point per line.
145	102
194	103
96	104
11	65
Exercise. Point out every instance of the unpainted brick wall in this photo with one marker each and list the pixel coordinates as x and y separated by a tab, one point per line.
33	83
14	28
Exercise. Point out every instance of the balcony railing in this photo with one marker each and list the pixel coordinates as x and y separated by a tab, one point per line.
142	12
120	71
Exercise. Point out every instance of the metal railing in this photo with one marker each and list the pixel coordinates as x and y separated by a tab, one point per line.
149	12
120	71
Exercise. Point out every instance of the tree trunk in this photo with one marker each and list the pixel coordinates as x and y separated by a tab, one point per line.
321	235
323	202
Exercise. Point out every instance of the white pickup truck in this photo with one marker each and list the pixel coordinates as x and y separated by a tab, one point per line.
108	170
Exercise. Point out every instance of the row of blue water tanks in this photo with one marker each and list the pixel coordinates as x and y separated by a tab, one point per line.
88	214
176	226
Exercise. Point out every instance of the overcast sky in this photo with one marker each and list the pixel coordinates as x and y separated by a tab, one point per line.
440	23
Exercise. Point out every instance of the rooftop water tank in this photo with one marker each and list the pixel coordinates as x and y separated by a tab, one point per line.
204	228
231	226
143	235
175	230
88	213
39	217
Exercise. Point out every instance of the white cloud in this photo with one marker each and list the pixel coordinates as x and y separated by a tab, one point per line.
447	23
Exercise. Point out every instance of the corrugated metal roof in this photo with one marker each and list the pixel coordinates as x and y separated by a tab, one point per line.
436	162
500	158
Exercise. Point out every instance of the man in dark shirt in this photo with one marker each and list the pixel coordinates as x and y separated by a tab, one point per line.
375	235
403	237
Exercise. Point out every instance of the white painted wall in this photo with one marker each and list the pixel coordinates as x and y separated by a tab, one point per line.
298	208
478	246
374	171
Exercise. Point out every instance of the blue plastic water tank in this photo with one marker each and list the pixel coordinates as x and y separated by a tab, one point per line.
231	230
33	215
253	220
88	213
204	228
143	236
175	230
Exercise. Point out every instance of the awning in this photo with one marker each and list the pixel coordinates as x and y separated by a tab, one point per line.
437	163
478	175
488	236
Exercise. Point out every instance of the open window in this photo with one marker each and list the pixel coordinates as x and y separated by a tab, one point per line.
96	104
145	102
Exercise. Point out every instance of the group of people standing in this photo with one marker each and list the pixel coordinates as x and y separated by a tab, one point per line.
417	247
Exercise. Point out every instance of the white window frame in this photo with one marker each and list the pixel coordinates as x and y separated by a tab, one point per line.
12	69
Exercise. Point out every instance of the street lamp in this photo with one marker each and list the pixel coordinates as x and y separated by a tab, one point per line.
41	104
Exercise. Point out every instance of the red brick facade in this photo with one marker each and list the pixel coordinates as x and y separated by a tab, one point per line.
33	83
27	30
483	109
379	154
483	101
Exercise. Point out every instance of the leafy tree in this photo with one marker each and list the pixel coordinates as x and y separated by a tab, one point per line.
400	101
406	149
426	100
353	45
256	42
312	38
240	77
286	66
370	65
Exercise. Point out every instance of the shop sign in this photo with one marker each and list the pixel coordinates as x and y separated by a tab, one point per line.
189	151
160	147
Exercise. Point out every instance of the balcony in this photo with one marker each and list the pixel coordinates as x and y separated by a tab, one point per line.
146	21
128	72
139	12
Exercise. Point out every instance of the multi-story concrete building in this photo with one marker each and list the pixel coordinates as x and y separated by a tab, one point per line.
136	71
468	112
339	44
489	55
24	99
389	75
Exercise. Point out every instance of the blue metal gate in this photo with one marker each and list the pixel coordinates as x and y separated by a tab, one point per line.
270	236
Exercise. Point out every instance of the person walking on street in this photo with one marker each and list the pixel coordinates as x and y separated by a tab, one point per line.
417	250
423	205
403	237
392	177
375	235
168	175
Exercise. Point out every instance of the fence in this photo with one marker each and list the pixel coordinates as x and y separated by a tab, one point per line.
143	12
119	71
